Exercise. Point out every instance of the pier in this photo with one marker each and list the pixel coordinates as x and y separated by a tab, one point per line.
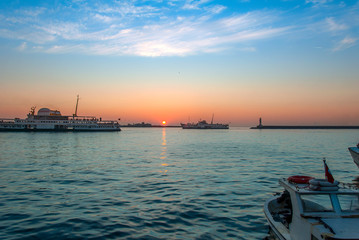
261	126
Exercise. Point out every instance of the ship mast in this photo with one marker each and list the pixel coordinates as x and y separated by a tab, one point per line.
32	112
77	103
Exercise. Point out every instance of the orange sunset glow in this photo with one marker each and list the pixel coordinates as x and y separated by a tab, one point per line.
224	70
241	105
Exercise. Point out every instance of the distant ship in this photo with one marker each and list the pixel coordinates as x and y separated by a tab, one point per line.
142	124
204	125
52	120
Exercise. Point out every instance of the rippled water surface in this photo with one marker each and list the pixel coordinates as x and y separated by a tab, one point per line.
156	183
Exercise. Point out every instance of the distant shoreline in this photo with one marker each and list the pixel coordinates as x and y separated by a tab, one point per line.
152	126
257	127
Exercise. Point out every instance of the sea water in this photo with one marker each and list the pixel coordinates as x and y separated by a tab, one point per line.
156	183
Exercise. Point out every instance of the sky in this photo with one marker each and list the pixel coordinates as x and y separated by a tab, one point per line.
289	62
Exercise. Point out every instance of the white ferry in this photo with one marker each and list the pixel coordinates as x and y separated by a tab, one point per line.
52	120
313	209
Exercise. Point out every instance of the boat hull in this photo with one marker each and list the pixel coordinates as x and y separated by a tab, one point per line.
60	130
278	229
204	126
14	127
66	125
354	152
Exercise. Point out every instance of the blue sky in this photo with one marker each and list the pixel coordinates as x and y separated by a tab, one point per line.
286	61
175	28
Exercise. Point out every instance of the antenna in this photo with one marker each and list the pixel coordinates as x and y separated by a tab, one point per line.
77	103
32	111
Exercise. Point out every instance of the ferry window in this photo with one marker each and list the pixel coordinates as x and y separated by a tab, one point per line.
349	203
317	203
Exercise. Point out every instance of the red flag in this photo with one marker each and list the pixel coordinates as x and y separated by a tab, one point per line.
328	174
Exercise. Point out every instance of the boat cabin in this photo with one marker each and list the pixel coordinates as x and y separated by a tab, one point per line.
312	214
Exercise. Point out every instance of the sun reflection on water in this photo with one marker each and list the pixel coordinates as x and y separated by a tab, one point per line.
164	150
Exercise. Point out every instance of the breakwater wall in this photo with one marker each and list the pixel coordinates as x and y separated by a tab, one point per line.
305	127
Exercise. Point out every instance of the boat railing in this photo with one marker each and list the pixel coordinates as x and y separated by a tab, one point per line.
107	122
94	121
91	119
7	120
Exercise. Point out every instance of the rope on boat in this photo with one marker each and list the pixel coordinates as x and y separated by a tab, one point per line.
352	186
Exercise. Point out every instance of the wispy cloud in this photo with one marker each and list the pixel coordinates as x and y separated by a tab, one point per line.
22	47
194	4
32	12
182	37
103	18
166	28
318	2
127	28
64	30
345	43
216	9
129	9
334	26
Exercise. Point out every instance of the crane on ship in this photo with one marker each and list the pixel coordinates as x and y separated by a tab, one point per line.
77	103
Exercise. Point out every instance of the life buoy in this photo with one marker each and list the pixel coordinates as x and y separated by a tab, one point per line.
299	179
323	183
320	188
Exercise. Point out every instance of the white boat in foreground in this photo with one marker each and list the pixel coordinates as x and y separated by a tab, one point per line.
354	151
301	213
52	120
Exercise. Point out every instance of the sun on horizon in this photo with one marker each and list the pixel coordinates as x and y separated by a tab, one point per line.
164	122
